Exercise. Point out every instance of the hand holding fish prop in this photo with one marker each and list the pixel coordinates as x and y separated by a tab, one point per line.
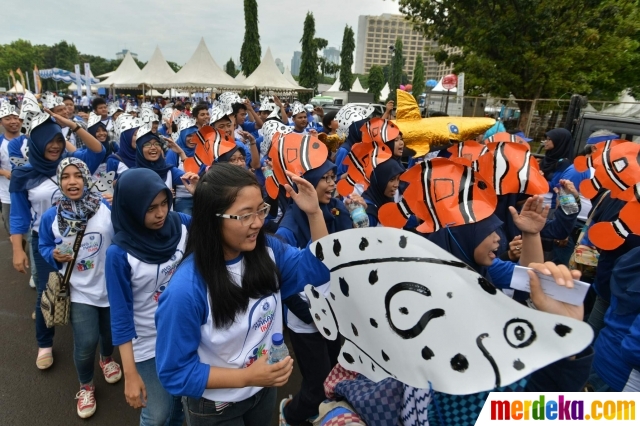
397	299
210	145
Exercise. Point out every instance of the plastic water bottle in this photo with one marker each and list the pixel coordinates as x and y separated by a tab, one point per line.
358	215
278	350
567	201
267	171
63	248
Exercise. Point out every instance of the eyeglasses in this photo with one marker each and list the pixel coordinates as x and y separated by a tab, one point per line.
329	178
152	145
247	219
237	160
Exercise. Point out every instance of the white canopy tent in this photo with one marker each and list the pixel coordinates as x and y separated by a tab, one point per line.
155	74
173	93
201	71
287	74
384	93
336	86
357	87
268	77
154	93
73	87
240	77
624	109
106	74
17	88
127	69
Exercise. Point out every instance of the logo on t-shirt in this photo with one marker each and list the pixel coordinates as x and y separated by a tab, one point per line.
91	244
85	265
261	318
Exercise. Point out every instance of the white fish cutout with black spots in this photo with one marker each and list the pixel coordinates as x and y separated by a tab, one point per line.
410	310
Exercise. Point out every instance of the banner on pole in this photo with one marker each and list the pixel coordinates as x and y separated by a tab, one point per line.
78	80
87	77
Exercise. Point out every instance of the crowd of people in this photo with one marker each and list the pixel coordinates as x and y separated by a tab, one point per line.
195	224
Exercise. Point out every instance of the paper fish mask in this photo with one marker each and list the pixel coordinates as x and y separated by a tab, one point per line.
419	133
349	114
441	193
611	235
125	122
361	160
512	169
269	129
379	131
616	168
210	145
50	101
467	152
7	109
296	153
93	119
30	113
103	182
112	108
403	306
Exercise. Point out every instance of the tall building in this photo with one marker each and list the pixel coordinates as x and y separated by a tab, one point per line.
377	33
296	61
280	65
121	55
331	54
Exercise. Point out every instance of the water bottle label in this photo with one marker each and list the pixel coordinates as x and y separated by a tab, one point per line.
567	199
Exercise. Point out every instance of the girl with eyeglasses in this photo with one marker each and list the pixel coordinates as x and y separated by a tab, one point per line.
148	244
217	317
316	356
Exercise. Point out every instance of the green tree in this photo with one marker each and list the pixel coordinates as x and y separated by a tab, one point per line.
230	68
535	49
308	76
397	63
418	78
376	81
250	54
346	59
174	66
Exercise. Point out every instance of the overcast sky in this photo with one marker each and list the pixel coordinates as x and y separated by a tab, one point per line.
106	27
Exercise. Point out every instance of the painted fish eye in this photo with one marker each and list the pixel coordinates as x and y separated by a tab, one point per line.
519	333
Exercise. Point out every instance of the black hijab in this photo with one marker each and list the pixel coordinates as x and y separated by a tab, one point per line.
561	151
378	185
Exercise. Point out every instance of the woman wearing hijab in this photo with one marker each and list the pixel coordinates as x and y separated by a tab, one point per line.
383	185
616	365
556	158
125	158
33	190
217	318
185	148
78	210
99	131
147	247
150	155
316	356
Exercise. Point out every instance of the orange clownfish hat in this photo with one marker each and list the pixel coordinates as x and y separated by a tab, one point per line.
210	145
467	153
361	160
611	235
379	131
441	193
506	137
296	153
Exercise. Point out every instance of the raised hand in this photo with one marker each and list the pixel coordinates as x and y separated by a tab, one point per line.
306	198
533	215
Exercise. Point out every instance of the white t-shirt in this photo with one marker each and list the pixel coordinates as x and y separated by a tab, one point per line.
147	284
88	282
42	197
236	346
5	164
84	101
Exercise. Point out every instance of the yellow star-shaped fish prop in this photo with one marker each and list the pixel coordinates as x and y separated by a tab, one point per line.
420	133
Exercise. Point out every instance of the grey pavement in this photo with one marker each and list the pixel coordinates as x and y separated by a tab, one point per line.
30	397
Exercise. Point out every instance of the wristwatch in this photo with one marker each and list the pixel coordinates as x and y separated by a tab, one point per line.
76	128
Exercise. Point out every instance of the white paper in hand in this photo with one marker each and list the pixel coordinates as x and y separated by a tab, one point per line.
574	296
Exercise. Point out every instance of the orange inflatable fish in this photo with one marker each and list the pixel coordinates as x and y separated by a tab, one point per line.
210	145
611	235
466	153
379	131
512	169
363	158
616	168
296	153
441	193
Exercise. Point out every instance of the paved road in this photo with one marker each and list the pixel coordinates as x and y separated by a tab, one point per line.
29	396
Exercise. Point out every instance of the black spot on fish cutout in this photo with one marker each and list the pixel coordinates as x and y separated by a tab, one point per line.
404	311
337	247
459	363
315	145
360	358
427	353
487	286
519	333
373	322
450	295
482	185
518	365
363	244
562	330
385	356
324	311
333	296
327	331
317	317
344	287
403	241
373	277
315	293
319	253
348	358
380	241
354	329
373	367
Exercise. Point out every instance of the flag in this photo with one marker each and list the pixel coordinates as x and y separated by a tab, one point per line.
78	80
87	73
13	77
36	80
19	72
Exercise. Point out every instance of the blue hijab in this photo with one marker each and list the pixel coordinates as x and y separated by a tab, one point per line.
39	168
182	140
336	215
126	152
355	134
108	146
374	195
160	166
461	241
134	192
